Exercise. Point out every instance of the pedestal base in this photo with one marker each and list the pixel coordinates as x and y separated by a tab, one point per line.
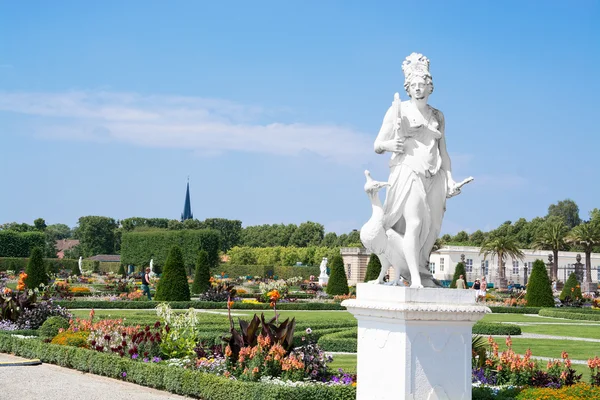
414	343
323	280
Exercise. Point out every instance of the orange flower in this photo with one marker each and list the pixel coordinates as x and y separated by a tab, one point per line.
228	351
564	355
7	291
230	304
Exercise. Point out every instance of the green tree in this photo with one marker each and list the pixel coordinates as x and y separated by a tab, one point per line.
461	237
96	235
202	274
458	271
230	230
551	236
338	283
477	238
173	284
58	232
571	289
586	235
36	269
502	247
373	268
539	288
40	224
567	210
330	239
308	234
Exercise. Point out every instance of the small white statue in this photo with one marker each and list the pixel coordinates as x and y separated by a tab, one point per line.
323	278
80	263
152	274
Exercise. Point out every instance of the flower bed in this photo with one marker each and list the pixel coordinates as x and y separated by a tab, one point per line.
74	304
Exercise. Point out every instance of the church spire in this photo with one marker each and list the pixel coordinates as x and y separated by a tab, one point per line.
187	208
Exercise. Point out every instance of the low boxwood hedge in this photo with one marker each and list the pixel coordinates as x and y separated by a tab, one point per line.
213	305
173	379
515	310
494	328
571	313
342	341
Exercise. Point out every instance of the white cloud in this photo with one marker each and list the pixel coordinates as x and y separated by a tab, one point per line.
205	126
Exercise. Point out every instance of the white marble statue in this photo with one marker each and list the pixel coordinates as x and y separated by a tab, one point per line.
80	263
402	231
152	267
323	278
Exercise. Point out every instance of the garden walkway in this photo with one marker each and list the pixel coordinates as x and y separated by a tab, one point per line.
50	382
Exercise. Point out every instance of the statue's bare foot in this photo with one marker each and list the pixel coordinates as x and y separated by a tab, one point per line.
414	285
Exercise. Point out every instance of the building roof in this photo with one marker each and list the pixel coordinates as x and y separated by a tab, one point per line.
66	244
187	207
106	258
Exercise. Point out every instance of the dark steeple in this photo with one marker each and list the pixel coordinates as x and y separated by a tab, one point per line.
187	208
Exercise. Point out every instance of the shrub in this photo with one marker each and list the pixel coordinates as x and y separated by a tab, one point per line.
52	325
539	288
460	270
491	328
572	289
570	313
202	274
373	268
338	284
33	318
514	310
20	244
173	285
122	272
36	269
341	341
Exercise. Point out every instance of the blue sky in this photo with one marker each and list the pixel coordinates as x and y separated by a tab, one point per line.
271	107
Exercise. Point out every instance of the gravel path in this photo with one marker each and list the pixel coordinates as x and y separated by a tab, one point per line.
50	382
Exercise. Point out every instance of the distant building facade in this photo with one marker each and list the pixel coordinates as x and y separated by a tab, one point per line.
442	264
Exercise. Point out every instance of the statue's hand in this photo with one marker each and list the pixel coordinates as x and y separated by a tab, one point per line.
395	145
452	189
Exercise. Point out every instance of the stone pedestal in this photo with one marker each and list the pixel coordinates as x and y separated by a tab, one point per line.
414	343
588	287
323	280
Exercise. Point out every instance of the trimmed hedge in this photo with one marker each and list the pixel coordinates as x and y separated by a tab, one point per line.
515	310
52	264
571	313
175	380
20	244
212	305
539	288
342	341
173	284
138	248
493	328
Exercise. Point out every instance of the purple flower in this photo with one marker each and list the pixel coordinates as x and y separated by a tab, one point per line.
156	359
134	356
124	374
145	359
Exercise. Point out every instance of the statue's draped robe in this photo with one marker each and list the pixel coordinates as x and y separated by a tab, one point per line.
416	170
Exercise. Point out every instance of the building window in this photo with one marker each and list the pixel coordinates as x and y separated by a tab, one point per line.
432	267
598	272
469	266
485	266
349	271
529	265
441	265
515	268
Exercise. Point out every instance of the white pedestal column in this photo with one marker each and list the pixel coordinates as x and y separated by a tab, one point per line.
414	343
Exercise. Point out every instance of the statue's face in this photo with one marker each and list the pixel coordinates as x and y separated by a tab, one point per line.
418	89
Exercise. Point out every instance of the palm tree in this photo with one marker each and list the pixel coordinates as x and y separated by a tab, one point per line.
586	235
551	236
503	247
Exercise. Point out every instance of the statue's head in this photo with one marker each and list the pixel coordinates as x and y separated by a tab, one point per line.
417	79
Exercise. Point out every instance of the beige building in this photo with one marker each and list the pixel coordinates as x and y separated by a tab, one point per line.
443	262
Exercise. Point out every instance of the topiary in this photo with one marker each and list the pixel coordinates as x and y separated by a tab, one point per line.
572	289
539	288
202	274
458	271
338	284
122	270
75	269
52	325
373	268
36	269
173	284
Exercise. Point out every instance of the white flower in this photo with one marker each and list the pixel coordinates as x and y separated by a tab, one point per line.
308	331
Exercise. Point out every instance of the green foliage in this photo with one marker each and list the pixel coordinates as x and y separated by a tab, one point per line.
96	235
373	268
308	234
51	326
173	284
20	244
53	265
338	283
175	380
551	236
202	274
138	248
58	232
493	328
181	305
287	256
567	210
130	224
122	271
461	237
502	247
230	230
539	288
514	310
460	270
571	289
36	269
267	235
75	268
40	224
582	314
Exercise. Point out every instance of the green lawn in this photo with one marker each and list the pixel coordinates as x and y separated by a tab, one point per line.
591	331
347	362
